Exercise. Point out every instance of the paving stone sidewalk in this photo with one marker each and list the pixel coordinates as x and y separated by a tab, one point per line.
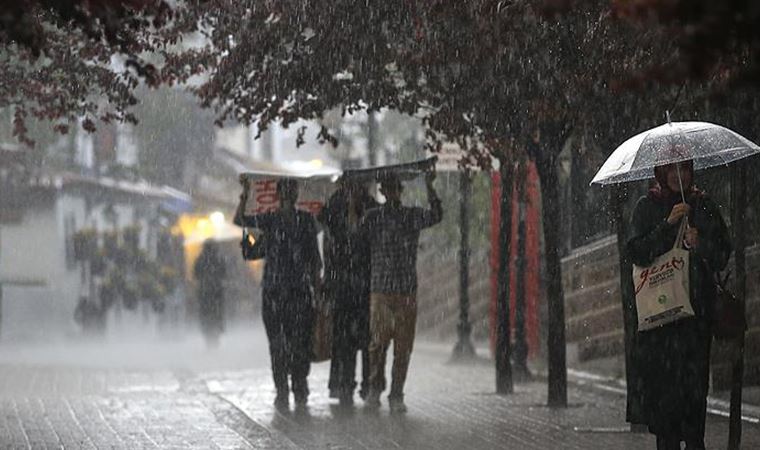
450	407
47	407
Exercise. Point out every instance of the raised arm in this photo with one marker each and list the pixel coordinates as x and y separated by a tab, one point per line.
311	252
436	209
423	218
240	211
328	216
260	221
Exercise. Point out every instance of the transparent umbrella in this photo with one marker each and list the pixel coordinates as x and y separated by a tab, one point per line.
707	144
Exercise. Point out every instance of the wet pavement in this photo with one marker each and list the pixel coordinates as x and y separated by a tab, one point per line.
178	395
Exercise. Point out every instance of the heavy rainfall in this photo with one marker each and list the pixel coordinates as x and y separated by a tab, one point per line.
420	225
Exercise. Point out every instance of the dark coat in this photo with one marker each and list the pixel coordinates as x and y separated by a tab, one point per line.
210	272
347	254
672	362
289	247
347	281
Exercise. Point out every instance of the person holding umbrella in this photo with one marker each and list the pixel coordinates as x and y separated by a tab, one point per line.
291	274
673	360
698	145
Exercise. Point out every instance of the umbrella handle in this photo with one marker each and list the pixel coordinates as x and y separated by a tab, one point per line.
686	228
683	197
680	182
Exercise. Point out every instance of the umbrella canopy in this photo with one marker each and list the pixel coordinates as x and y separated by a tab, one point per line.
707	144
316	184
405	171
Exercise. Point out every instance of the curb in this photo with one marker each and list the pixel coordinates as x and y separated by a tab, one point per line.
715	406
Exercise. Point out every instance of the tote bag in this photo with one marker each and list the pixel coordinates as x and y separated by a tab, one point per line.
662	288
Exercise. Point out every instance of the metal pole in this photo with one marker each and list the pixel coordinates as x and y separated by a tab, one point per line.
739	202
463	348
372	139
1	289
504	380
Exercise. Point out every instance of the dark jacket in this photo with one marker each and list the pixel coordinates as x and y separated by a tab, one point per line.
210	271
672	361
290	248
347	254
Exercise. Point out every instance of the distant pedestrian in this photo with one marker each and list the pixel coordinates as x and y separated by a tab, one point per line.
291	273
672	361
347	273
210	271
393	232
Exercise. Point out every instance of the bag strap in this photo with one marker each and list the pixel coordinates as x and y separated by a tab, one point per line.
681	233
719	281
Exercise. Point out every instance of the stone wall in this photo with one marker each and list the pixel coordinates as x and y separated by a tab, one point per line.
594	316
438	294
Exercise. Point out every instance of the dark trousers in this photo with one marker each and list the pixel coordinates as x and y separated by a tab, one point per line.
350	335
211	309
289	320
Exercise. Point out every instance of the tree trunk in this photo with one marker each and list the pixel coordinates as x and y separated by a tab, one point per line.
547	172
578	220
504	381
521	344
739	203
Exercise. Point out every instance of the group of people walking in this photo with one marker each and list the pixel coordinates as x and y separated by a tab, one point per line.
370	254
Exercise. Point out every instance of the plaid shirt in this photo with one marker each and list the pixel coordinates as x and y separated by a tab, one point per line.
393	234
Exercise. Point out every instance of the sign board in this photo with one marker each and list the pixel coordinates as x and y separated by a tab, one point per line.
450	156
315	187
313	190
311	195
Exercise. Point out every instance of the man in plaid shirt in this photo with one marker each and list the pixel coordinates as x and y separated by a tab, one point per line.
393	231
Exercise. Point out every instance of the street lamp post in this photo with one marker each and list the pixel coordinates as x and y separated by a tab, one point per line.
739	205
464	348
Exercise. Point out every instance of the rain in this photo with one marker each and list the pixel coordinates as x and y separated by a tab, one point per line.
388	225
